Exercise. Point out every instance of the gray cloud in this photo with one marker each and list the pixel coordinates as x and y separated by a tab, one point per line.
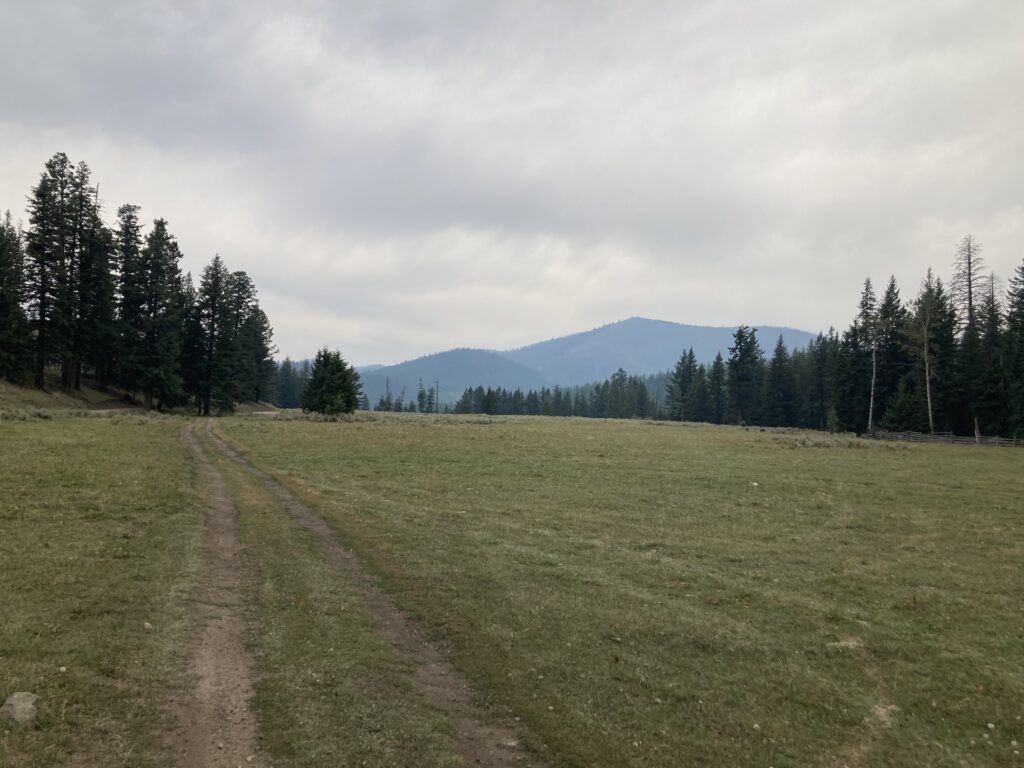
399	177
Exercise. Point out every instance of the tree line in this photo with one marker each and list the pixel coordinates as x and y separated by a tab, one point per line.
951	359
111	303
622	396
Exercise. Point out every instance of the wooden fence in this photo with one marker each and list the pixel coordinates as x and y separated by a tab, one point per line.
948	438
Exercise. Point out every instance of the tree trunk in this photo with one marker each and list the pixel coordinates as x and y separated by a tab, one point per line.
148	398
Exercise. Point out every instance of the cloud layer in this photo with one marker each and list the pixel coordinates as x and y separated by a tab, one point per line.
398	179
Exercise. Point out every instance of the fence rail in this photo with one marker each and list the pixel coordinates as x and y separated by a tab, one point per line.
947	437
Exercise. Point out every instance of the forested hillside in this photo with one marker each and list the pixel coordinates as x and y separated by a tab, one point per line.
109	302
950	359
638	345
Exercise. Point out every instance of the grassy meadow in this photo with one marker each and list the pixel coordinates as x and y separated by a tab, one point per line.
662	595
99	535
637	594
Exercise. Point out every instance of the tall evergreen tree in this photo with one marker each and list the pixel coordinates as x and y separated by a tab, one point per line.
1015	352
745	377
14	338
717	390
216	368
679	386
130	296
991	385
257	350
159	355
192	343
96	328
893	358
698	399
48	246
780	389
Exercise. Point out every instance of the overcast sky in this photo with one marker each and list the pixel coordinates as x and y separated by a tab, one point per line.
402	178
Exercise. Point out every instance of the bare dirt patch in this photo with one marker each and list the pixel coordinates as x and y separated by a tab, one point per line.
494	743
215	725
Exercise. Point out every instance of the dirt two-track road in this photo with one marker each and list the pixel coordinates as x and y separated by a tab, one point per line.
216	725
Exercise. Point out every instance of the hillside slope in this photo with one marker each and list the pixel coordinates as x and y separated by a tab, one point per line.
13	397
638	345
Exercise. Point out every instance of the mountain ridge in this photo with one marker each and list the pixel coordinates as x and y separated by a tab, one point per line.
637	344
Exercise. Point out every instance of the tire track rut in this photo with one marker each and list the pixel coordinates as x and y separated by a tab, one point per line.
215	726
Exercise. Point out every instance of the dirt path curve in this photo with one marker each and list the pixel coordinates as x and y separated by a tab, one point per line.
217	729
491	743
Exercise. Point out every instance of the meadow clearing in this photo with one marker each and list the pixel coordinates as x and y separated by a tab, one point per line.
623	593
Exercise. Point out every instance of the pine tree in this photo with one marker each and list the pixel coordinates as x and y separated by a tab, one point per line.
679	386
130	295
215	365
717	390
1015	352
14	338
698	399
893	359
98	325
745	375
991	387
192	346
257	352
159	355
48	243
333	386
780	389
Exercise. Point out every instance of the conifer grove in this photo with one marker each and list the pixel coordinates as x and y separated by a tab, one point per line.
81	297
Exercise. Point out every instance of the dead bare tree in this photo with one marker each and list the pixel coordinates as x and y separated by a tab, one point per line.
968	280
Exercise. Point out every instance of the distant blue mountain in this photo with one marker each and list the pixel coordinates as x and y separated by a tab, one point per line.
455	369
638	345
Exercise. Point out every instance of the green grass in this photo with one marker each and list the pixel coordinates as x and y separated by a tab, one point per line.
330	691
639	594
98	534
669	595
